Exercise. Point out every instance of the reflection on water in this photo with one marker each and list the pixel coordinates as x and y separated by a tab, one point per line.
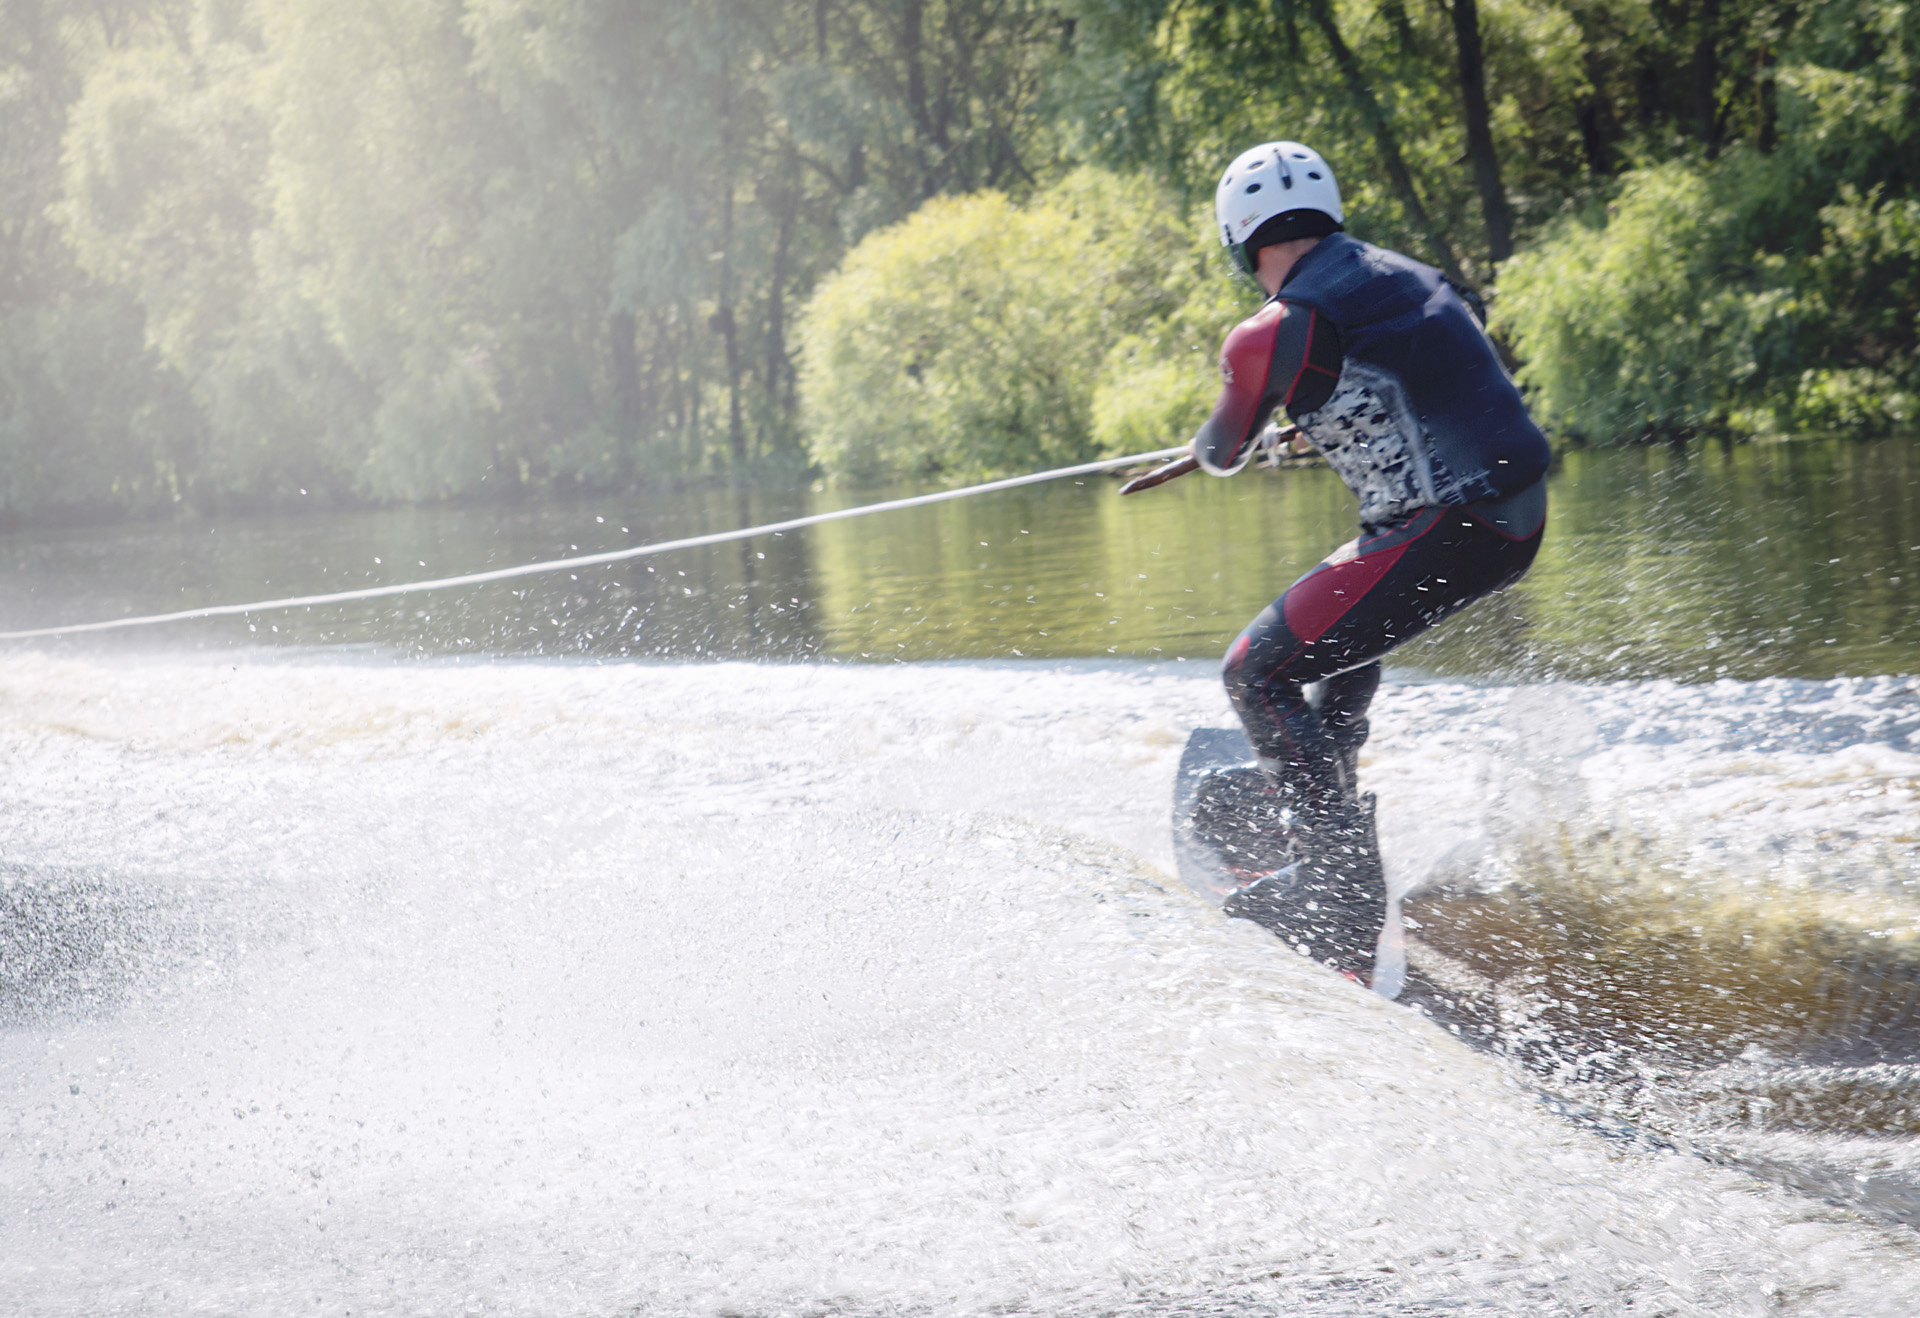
1602	959
1722	1012
1761	560
1795	559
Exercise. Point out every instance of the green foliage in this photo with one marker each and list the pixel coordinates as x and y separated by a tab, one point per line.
1158	382
90	420
415	249
981	337
1198	84
1759	291
418	249
1626	326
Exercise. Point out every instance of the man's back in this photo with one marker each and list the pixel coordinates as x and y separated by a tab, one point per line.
1409	344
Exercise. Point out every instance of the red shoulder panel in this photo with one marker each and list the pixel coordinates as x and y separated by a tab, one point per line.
1246	363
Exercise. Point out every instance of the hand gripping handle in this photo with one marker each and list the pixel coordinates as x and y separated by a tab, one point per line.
1270	443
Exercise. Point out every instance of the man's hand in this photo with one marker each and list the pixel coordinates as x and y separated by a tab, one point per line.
1270	446
1277	442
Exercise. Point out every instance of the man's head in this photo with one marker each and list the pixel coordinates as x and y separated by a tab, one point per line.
1276	193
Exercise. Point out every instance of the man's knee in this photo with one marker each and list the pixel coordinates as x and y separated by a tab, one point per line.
1242	670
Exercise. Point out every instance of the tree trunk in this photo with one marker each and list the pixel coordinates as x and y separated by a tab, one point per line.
696	445
1596	137
723	318
729	330
929	137
1473	100
1704	77
628	399
1767	107
1398	177
1765	77
777	364
664	345
1395	12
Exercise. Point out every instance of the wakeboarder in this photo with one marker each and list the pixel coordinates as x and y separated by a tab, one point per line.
1382	368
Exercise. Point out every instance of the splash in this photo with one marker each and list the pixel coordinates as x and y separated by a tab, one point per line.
778	990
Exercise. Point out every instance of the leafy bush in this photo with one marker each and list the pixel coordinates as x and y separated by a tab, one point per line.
1640	325
979	336
1764	290
1859	400
1692	308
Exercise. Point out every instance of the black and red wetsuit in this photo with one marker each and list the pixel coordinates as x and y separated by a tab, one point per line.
1385	371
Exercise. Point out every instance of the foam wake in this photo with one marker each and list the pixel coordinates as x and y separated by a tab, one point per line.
792	989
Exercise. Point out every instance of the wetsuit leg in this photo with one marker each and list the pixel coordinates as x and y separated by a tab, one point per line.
1342	701
1333	624
1329	631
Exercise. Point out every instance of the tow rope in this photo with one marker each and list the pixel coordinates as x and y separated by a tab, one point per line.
592	560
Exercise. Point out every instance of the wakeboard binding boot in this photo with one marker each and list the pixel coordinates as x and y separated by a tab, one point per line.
1328	900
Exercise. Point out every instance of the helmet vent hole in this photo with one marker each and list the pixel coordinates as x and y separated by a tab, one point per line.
1253	187
1312	175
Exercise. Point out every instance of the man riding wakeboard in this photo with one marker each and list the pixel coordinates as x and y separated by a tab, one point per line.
1384	370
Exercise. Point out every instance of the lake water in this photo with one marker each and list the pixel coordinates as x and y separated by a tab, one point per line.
1794	559
346	970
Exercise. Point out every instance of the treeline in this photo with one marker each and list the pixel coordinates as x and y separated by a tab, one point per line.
270	251
1688	218
413	249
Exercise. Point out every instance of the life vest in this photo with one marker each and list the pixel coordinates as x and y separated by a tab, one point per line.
1387	373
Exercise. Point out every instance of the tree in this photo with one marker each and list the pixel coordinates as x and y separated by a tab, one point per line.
90	419
1757	288
978	336
1479	129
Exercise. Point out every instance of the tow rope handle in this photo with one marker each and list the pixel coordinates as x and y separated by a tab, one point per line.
1161	475
1180	466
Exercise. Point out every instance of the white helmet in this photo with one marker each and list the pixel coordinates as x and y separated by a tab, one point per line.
1269	180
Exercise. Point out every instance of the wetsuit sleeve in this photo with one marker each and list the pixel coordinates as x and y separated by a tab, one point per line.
1284	355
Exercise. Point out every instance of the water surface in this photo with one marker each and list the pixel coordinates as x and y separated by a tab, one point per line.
1790	559
335	984
801	989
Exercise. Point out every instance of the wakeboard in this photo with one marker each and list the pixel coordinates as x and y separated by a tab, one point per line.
1219	762
1321	892
1225	843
